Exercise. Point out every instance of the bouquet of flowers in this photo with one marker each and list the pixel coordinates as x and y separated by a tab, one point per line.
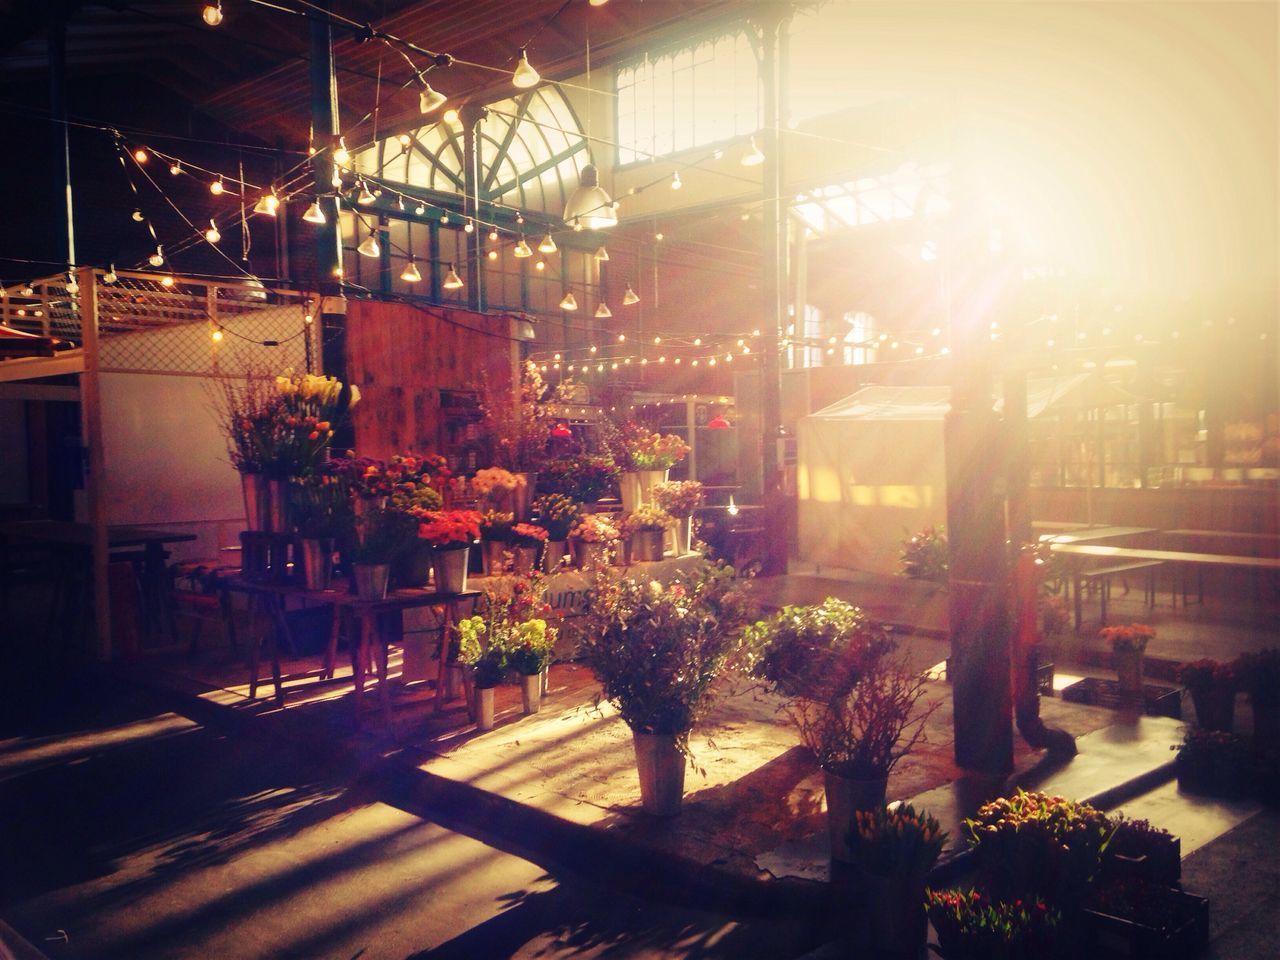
595	528
970	924
496	525
647	517
1202	675
646	450
371	477
557	513
510	631
584	478
1131	636
527	535
899	841
657	650
448	528
680	498
491	479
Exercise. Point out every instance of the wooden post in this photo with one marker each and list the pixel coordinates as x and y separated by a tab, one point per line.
95	485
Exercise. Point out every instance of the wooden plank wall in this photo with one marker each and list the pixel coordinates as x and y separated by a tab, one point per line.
401	356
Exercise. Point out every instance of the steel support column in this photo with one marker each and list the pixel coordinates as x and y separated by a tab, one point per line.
324	124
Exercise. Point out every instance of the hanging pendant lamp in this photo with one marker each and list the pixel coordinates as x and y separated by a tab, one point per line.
525	76
569	302
589	204
629	296
451	280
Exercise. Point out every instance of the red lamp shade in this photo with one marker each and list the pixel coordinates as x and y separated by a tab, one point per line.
718	422
561	431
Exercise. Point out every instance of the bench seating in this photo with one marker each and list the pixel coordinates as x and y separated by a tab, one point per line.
1101	577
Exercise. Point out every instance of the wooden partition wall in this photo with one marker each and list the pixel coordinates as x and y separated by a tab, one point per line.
402	356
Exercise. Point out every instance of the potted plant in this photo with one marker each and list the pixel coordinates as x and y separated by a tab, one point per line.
525	540
1036	844
858	737
557	514
894	849
1259	675
593	537
646	527
681	499
1212	686
972	926
501	489
495	537
380	537
925	555
818	652
1214	763
488	662
646	457
319	508
584	477
450	533
1128	643
412	568
657	651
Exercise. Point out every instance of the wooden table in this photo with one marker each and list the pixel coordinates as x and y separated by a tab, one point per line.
376	623
1179	558
78	537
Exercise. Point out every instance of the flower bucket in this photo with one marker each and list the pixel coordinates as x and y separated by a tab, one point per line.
371	580
531	691
484	708
522	560
522	497
587	555
1215	708
646	546
364	507
278	506
450	565
553	552
544	681
413	568
629	490
317	562
257	502
846	797
682	536
494	562
647	479
661	767
1128	667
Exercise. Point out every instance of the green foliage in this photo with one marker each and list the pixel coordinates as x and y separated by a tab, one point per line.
584	478
925	555
509	633
972	926
557	513
379	537
657	650
818	652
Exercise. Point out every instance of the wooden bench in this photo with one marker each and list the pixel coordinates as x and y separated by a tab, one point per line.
1102	576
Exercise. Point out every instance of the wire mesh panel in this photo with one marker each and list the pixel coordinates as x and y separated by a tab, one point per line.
148	323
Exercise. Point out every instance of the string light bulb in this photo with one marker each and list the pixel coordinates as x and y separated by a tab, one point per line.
411	273
468	227
569	302
492	254
451	116
166	281
429	99
676	182
156	259
137	216
603	312
175	168
217	187
212	234
493	235
522	249
110	275
629	296
341	155
141	155
753	156
540	266
216	336
451	280
370	247
212	14
314	214
548	245
524	75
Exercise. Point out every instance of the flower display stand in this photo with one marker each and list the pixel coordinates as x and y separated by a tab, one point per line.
1157	700
1184	934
